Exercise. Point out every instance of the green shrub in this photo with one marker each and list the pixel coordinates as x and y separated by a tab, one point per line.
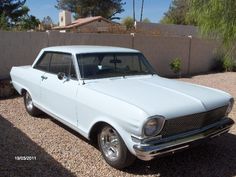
128	22
228	63
175	65
224	63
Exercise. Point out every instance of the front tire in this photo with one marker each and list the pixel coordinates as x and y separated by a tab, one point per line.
29	106
114	149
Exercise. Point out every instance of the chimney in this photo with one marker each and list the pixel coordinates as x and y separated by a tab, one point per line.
64	18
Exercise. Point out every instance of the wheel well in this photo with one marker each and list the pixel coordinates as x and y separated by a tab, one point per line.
95	130
23	91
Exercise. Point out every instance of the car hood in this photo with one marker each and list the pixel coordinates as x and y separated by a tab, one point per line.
159	96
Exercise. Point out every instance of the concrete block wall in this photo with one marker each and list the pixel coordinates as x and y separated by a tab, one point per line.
19	48
160	51
202	55
197	55
167	29
123	40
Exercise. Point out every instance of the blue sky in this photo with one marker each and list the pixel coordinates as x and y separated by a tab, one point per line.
153	9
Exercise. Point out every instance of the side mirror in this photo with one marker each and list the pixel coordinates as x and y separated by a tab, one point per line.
61	75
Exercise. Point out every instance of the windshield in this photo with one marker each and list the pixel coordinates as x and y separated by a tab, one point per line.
102	65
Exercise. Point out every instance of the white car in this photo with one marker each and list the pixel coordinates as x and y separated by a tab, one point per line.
113	97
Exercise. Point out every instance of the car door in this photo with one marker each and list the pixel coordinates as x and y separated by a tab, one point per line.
39	70
59	95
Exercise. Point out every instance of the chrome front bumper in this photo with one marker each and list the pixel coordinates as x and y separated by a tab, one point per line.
149	150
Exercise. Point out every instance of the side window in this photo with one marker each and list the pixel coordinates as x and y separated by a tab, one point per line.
44	61
62	63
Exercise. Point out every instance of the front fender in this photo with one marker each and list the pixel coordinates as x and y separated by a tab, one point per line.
123	132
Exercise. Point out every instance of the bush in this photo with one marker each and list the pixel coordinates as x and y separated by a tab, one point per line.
228	63
175	66
224	63
128	22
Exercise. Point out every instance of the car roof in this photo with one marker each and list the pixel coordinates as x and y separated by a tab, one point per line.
77	49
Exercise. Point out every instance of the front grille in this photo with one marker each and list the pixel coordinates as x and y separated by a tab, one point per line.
192	122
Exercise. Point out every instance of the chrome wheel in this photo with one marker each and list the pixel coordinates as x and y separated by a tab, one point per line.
29	105
28	101
113	148
110	143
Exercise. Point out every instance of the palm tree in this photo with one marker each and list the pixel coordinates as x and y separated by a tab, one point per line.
141	16
134	10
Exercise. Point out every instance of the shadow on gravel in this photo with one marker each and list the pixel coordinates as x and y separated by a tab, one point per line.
46	116
216	158
16	95
15	143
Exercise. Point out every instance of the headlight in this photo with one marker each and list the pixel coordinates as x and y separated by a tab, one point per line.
230	106
153	126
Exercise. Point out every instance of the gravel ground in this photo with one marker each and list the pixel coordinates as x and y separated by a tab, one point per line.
60	151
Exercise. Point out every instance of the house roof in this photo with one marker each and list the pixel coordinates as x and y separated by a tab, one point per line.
83	21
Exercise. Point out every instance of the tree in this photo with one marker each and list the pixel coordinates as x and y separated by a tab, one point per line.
28	22
128	22
47	23
177	14
14	15
84	8
216	19
146	20
134	17
3	22
13	10
141	15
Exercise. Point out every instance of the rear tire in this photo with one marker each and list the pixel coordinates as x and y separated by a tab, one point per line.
113	148
29	105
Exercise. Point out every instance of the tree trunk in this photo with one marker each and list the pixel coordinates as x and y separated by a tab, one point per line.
141	16
134	10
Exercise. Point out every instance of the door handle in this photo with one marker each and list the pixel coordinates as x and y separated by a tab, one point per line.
44	77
